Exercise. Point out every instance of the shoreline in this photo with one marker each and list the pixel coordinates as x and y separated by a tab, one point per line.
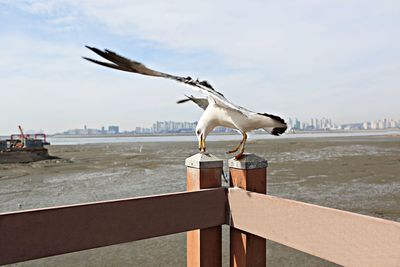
223	134
76	140
327	132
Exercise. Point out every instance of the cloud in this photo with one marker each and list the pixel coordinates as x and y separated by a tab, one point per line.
51	87
299	58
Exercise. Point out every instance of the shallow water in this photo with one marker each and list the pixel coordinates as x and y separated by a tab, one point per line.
74	140
358	174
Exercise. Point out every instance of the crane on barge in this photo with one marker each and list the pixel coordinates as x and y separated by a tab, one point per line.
23	148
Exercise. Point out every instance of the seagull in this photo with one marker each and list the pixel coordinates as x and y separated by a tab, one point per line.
218	111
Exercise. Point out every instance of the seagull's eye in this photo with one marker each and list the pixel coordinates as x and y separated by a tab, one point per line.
198	132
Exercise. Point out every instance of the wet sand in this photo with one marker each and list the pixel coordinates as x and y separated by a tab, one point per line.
358	174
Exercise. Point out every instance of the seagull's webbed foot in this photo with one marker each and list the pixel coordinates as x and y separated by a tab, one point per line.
243	143
239	145
238	156
235	149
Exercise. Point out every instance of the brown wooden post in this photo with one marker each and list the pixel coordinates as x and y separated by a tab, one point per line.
204	246
249	173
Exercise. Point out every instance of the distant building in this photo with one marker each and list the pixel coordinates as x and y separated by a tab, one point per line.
173	127
113	129
297	124
381	124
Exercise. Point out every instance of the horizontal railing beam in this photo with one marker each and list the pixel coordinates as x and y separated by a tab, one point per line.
40	233
338	236
342	237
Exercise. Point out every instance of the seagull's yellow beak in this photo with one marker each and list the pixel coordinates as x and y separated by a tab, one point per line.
200	146
202	143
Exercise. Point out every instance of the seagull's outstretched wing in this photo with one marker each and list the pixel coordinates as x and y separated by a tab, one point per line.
201	102
125	64
121	63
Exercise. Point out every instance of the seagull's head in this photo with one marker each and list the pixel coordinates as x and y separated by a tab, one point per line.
202	131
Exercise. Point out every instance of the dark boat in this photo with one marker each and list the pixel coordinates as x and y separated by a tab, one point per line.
21	148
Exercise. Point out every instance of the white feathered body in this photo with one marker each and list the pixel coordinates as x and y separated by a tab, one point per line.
217	115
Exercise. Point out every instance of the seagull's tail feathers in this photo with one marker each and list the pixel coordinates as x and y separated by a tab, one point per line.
275	131
276	125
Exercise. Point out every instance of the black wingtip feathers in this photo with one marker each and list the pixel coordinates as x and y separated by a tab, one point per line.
278	131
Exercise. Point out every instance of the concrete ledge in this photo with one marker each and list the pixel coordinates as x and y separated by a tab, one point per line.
248	162
203	161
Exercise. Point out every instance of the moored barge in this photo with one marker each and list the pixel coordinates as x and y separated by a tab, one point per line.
21	148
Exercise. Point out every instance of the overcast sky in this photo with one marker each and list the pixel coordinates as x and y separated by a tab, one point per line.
305	59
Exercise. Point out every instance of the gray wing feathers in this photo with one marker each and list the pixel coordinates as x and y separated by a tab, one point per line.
121	63
201	102
124	64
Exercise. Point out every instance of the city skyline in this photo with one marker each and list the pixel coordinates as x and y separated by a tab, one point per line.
313	124
189	126
293	59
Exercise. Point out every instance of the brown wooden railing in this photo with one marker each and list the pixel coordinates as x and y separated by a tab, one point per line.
341	237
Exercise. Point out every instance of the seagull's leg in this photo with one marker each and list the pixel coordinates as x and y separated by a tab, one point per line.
244	136
238	156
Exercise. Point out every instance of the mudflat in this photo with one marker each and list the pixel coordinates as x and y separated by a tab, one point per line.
358	174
